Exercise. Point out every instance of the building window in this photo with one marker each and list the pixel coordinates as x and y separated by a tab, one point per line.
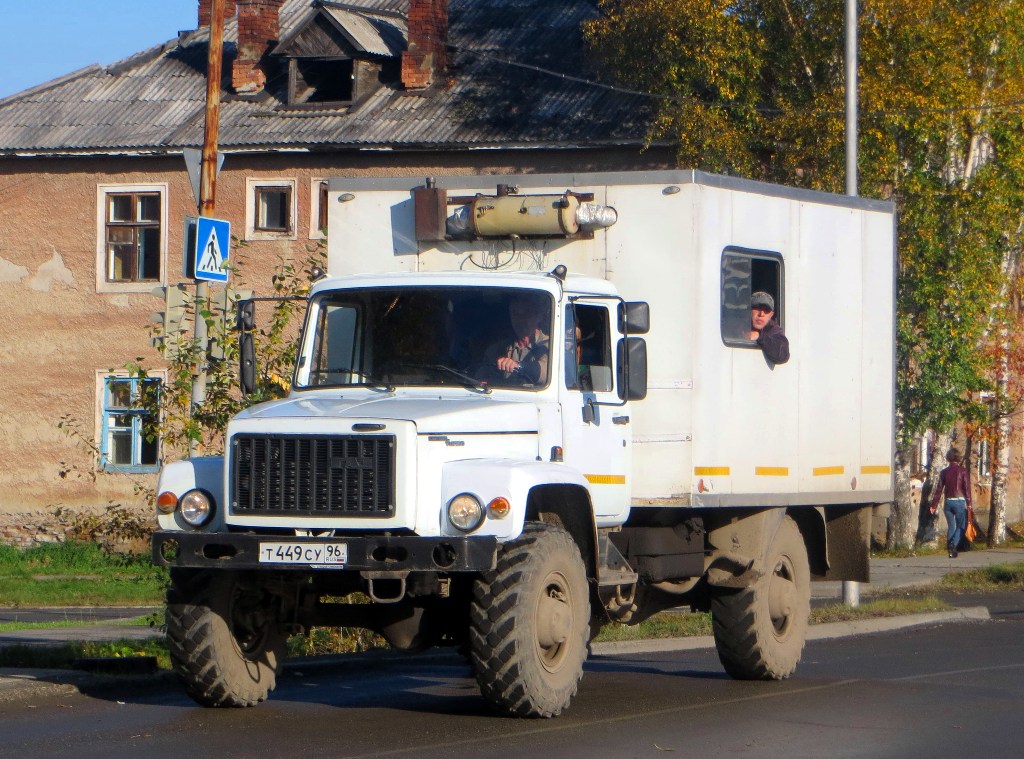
271	210
318	209
132	237
321	81
745	272
984	459
128	441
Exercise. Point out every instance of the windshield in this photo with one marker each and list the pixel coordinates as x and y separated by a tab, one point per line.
478	337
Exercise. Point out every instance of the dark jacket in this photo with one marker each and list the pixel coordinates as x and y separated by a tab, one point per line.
774	343
956	483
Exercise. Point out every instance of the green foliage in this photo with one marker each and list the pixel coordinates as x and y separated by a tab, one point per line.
321	641
174	420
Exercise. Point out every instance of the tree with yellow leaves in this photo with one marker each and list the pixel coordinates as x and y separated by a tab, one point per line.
756	87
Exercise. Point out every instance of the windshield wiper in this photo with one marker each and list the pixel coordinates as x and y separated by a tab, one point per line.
365	379
465	379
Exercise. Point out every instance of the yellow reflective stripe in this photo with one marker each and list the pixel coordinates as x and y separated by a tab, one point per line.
771	471
606	479
822	471
711	471
876	469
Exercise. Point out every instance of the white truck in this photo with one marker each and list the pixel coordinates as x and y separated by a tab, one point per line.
636	451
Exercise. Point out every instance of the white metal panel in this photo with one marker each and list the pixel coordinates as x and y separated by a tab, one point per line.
744	409
830	348
371	232
651	257
877	357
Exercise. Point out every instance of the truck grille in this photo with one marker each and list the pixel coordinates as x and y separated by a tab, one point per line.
313	476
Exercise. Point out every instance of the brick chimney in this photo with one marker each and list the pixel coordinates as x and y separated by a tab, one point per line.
259	28
426	59
205	14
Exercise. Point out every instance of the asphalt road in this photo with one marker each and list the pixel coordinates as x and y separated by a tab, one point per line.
945	690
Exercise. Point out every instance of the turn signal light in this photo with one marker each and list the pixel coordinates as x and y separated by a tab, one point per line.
166	502
499	507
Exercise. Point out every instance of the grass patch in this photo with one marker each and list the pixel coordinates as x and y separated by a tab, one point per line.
907	553
64	657
156	619
78	574
995	577
667	624
878	607
672	624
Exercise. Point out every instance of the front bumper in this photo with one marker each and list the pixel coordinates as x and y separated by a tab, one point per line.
231	550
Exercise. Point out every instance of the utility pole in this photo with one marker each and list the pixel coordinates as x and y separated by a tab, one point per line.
851	590
208	194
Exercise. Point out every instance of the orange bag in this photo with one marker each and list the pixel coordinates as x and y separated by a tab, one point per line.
971	532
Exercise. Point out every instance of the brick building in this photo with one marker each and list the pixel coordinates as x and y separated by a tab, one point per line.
95	189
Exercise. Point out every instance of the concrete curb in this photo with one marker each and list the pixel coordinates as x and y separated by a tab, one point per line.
827	631
24	684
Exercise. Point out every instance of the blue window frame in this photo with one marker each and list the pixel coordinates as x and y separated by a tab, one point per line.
124	446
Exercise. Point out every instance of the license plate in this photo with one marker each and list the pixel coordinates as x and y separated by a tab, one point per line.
326	554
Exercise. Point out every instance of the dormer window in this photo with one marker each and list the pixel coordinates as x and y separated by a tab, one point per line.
339	55
318	81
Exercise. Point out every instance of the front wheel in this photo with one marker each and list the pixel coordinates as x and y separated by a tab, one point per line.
225	643
760	630
529	624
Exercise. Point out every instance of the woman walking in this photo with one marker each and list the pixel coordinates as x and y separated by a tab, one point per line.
956	483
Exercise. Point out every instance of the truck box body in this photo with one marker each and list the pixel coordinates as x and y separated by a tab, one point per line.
721	426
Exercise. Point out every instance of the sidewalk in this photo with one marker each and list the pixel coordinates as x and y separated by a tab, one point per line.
919	570
885	574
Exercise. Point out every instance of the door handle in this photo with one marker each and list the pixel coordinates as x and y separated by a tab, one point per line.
620	420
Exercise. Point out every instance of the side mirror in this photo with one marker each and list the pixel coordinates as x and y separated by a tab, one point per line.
632	364
247	363
634	318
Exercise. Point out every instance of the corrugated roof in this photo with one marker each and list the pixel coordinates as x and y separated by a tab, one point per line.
496	95
377	35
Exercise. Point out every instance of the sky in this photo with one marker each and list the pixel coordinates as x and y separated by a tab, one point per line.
41	40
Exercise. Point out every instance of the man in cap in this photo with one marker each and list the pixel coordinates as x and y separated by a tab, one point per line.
765	331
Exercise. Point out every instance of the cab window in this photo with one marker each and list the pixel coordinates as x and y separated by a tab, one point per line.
745	272
588	354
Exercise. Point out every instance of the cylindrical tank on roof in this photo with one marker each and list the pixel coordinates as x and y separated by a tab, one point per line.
515	215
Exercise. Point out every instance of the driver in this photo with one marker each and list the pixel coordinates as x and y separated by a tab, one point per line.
522	355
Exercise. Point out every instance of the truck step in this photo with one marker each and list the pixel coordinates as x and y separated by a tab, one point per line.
612	577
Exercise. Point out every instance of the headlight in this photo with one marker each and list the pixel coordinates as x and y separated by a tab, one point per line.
196	508
465	512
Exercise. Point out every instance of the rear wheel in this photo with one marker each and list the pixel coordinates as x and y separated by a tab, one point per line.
529	624
225	643
760	630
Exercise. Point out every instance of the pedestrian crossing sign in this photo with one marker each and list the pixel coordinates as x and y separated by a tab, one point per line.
213	240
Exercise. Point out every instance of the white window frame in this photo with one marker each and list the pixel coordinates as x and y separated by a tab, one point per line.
251	186
102	191
102	464
314	209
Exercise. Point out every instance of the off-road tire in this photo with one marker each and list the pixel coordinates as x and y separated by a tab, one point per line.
529	624
760	630
225	648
